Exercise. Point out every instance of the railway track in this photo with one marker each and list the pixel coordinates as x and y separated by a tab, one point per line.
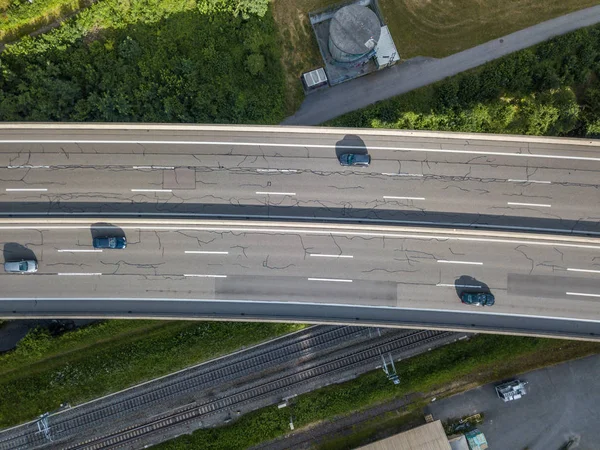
370	353
201	377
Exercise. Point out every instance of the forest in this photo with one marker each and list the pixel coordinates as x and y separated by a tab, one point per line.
550	89
216	61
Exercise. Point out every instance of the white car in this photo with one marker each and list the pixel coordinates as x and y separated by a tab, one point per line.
25	266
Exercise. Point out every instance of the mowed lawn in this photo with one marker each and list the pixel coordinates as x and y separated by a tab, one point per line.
435	28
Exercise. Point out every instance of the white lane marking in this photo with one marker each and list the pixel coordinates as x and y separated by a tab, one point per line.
26	190
79	274
338	280
530	181
203	276
270	144
397	174
154	167
446	261
583	270
151	190
583	294
391	197
205	252
26	166
322	255
541	205
277	170
77	250
324	232
276	193
459	285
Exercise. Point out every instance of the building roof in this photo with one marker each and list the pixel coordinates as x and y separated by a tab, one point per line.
430	436
355	29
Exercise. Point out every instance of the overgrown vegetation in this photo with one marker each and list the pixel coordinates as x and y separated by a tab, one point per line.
550	89
43	372
440	372
149	61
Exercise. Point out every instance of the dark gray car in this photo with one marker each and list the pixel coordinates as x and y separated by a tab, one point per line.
355	159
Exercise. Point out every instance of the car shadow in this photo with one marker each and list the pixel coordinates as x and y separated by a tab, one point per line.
466	283
14	251
103	229
351	143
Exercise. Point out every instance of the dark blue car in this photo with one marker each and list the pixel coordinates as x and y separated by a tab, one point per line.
355	159
110	242
477	298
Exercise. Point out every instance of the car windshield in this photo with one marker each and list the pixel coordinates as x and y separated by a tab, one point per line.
23	265
351	158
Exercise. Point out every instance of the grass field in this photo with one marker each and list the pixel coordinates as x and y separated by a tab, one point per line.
439	373
419	27
106	357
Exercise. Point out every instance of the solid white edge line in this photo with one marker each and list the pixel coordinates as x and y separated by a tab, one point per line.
393	308
322	255
458	285
336	232
203	276
583	294
26	190
541	205
391	197
583	270
78	274
530	181
203	252
276	193
446	261
67	250
152	190
338	280
325	146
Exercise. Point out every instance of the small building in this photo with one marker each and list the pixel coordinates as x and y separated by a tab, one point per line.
476	440
314	80
385	52
512	390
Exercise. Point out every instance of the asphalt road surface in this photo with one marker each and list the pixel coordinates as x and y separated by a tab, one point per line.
282	173
268	270
561	404
304	271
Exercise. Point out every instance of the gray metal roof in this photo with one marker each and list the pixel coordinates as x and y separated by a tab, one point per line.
355	29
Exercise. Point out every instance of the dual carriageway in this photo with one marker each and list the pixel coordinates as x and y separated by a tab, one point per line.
262	223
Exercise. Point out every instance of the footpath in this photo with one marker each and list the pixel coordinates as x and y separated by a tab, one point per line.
418	72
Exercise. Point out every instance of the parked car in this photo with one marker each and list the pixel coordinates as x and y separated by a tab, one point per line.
110	242
477	298
24	266
355	159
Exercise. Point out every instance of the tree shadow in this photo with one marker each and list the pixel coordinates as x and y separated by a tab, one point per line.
466	283
14	251
103	229
351	143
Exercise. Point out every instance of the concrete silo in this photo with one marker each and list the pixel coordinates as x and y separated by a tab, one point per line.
353	34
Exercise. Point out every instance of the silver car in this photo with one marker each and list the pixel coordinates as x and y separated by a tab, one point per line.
25	266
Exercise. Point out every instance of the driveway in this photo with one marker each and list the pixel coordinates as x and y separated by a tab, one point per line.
562	402
418	72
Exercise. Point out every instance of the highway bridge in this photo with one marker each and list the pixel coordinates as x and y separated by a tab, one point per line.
263	223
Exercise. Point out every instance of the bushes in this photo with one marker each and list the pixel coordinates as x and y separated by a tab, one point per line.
529	92
187	67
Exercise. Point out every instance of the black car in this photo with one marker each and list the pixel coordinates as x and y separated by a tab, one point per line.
110	242
355	159
477	298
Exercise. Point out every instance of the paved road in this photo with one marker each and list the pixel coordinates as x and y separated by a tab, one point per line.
350	273
562	403
325	105
285	173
